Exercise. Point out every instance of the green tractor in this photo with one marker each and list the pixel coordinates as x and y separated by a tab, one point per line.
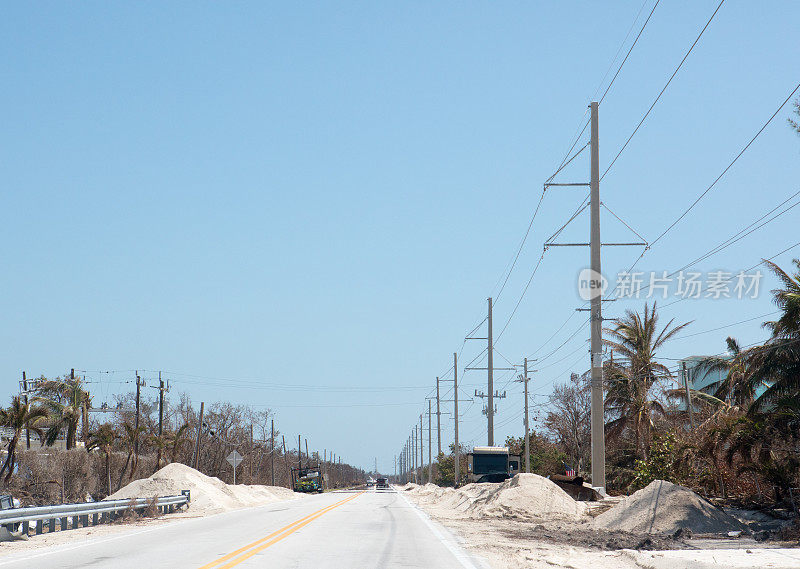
308	479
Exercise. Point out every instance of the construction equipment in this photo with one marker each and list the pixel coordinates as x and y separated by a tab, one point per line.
308	479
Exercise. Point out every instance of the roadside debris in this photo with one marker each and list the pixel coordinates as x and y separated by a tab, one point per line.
665	508
209	494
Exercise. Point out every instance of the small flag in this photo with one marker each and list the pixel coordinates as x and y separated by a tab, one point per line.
568	470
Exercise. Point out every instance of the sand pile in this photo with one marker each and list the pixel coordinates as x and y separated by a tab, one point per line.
663	507
209	494
528	496
525	495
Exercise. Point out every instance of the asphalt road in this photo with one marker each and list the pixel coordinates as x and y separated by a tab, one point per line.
372	529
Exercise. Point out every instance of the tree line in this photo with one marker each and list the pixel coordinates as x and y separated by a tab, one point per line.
56	414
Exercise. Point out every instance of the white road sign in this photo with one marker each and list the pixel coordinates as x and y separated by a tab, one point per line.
234	459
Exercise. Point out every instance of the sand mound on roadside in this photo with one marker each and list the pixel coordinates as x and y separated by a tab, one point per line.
209	494
524	496
528	496
663	507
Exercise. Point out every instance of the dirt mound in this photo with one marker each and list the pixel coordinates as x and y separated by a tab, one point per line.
664	508
209	494
528	496
524	496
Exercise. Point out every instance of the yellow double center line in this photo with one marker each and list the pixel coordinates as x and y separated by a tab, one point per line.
243	553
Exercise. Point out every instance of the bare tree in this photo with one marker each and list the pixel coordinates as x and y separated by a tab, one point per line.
567	420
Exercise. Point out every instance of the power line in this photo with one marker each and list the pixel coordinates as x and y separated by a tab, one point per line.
631	48
525	290
708	189
521	245
674	73
728	167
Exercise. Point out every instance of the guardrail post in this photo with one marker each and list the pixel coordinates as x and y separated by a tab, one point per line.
52	525
94	520
25	527
64	523
76	522
39	527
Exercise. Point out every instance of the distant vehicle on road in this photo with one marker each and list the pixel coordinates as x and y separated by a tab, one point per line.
308	479
382	483
491	464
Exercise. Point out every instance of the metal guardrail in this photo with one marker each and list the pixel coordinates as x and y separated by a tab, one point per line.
103	511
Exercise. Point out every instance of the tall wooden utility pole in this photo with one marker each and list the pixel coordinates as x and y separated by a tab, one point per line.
430	447
299	454
199	433
27	430
286	459
421	449
457	465
272	450
596	311
527	427
139	384
160	405
438	421
490	393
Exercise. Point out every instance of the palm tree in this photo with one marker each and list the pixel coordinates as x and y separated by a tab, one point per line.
130	435
777	362
18	417
103	440
631	377
738	388
176	441
67	403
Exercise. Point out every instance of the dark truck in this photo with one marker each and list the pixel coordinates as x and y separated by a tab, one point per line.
491	464
382	482
308	479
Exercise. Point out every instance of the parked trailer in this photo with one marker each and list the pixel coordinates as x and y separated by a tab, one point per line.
492	464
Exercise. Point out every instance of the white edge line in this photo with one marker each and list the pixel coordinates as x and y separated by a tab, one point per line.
468	561
18	556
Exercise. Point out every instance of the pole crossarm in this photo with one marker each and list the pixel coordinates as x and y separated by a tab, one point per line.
631	244
572	184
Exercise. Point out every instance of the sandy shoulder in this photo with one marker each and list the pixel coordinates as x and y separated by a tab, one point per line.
512	543
80	535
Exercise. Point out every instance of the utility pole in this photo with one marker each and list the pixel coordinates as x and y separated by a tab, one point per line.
414	451
160	405
688	394
527	428
308	456
286	459
199	430
421	450
596	320
272	448
438	421
139	384
457	464
490	407
27	430
299	455
430	447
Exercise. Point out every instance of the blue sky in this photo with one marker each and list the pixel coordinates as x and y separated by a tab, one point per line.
279	197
